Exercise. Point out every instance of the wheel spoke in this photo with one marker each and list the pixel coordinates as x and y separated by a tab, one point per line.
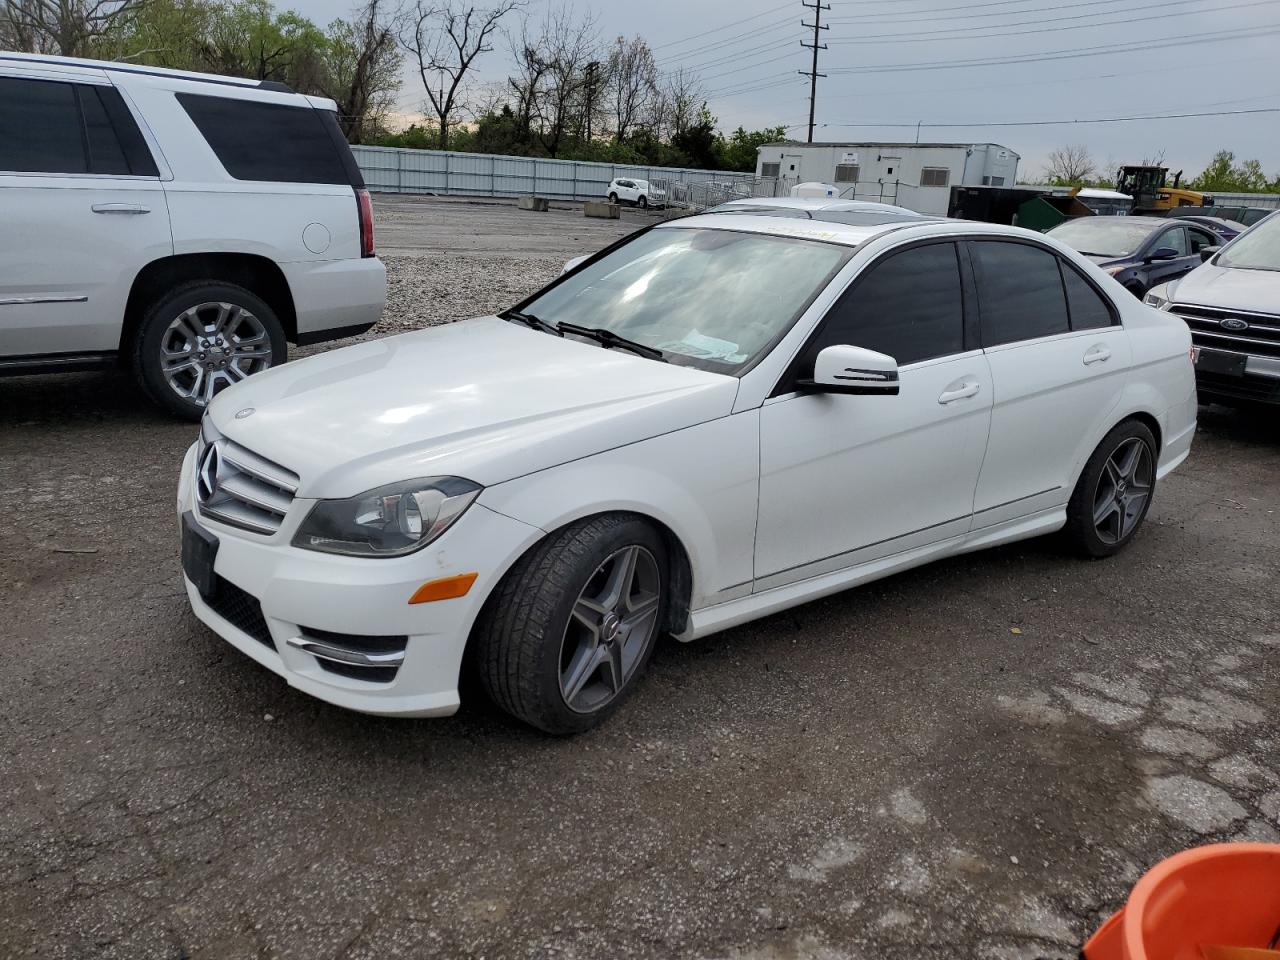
235	372
224	323
195	385
1129	460
586	662
613	674
178	362
588	614
1103	511
618	585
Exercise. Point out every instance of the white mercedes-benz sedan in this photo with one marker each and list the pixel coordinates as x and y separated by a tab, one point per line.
712	420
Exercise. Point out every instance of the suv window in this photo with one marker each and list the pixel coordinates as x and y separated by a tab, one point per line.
1175	239
1089	310
50	126
1020	292
908	306
270	141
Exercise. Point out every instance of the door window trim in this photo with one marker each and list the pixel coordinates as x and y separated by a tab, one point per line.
786	382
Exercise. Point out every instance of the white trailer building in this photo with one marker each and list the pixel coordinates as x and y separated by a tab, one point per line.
918	176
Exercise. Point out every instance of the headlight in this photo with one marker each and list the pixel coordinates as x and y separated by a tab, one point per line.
1158	297
390	521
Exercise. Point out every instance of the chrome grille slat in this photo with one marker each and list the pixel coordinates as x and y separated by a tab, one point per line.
1260	337
238	487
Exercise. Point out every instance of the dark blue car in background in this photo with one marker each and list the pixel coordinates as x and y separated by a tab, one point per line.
1140	252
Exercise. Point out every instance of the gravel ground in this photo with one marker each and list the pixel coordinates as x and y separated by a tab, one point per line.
973	759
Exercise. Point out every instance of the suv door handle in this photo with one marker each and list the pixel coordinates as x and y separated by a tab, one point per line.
959	391
132	208
1097	354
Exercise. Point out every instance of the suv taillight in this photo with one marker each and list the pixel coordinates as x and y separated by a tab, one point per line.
365	206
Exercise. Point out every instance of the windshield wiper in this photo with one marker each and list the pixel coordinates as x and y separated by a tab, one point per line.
529	320
607	338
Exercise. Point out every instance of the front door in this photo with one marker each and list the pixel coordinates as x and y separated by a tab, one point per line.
1162	271
848	479
82	212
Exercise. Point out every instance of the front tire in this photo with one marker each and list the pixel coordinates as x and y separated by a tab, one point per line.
613	198
644	203
569	631
1113	494
200	338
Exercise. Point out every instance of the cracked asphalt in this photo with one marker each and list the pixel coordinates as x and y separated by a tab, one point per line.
973	759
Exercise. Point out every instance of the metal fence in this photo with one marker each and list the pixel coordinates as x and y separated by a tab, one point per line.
445	172
1246	199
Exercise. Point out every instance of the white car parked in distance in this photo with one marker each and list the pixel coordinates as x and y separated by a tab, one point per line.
712	420
640	193
187	226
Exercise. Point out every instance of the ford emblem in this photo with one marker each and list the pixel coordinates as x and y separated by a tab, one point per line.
248	411
1231	323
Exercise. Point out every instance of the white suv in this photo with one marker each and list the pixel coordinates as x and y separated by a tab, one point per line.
183	224
639	192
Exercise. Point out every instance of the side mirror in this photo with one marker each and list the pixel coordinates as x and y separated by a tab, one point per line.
1207	253
1163	253
845	369
573	263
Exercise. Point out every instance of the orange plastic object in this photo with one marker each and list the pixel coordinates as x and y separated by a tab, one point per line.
446	588
1224	895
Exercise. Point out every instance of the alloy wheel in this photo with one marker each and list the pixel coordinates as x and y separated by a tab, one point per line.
1124	487
610	628
210	346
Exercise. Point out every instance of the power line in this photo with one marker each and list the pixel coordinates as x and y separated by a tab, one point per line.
926	37
1058	123
729	26
1072	53
916	16
817	7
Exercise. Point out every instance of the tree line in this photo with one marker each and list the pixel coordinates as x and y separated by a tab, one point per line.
569	92
1074	166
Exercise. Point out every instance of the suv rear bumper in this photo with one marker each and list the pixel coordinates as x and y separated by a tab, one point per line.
336	298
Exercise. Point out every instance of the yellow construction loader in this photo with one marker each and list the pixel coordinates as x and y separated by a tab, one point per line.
1148	185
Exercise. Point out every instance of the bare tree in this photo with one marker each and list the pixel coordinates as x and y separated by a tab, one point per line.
65	27
684	94
529	53
633	81
569	44
364	70
445	41
1071	164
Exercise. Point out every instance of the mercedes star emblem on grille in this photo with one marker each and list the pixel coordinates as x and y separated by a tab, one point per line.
1233	323
207	473
246	412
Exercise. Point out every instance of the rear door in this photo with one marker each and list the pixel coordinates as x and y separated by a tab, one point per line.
1059	360
81	209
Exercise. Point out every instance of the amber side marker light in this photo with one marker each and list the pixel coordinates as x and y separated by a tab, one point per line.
446	588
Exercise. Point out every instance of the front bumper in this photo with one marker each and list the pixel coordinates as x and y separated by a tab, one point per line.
302	594
1232	376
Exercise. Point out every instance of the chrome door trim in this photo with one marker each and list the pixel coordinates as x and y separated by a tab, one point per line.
9	301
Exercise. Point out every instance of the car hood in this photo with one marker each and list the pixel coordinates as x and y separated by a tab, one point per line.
1209	285
483	399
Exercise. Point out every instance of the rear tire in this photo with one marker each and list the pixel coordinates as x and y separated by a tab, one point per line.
199	338
613	198
643	202
1114	492
569	631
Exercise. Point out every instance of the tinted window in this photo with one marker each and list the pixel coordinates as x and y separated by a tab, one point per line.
908	306
105	153
1175	239
1200	240
40	129
1019	292
1088	309
267	141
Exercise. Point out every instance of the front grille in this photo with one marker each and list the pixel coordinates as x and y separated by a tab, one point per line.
1261	338
236	486
240	609
374	659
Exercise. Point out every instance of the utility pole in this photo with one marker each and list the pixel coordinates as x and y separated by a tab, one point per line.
593	68
817	26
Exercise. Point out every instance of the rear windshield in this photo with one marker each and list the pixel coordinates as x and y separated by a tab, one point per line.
272	141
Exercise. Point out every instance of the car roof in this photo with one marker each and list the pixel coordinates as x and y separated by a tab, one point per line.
118	67
813	203
845	234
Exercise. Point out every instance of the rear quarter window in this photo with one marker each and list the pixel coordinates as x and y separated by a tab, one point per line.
272	141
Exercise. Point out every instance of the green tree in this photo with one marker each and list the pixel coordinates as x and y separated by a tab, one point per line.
1224	176
739	150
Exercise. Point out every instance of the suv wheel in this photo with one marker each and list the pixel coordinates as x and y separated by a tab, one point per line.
1113	494
644	202
199	339
613	198
570	629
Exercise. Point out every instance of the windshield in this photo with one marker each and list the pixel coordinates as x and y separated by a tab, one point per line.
1259	249
1102	236
713	299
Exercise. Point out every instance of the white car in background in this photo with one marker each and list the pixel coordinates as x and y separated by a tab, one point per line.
184	226
640	193
715	419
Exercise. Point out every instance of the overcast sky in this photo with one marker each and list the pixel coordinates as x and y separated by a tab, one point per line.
883	55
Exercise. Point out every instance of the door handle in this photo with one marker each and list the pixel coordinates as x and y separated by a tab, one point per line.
962	391
127	208
1097	354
